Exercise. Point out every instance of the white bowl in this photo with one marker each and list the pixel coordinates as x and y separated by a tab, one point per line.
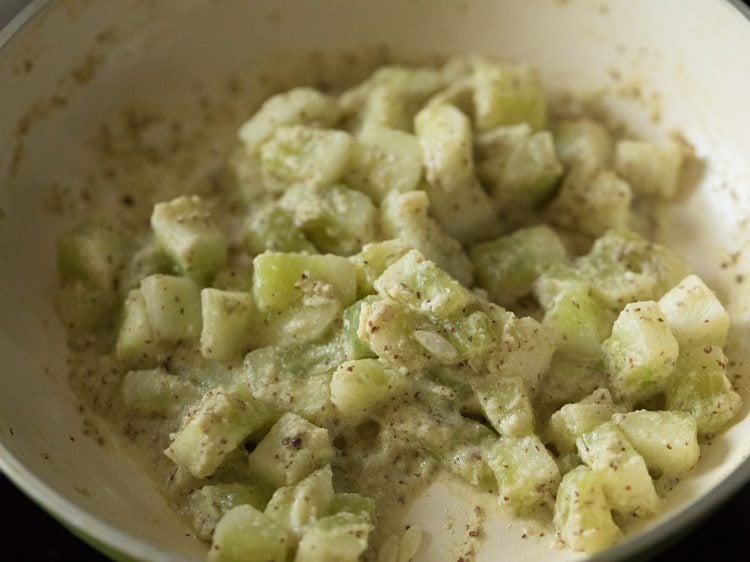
68	67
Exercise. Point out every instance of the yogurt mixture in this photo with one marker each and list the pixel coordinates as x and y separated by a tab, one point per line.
428	273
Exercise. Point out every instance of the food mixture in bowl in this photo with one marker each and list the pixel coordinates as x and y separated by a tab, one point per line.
430	272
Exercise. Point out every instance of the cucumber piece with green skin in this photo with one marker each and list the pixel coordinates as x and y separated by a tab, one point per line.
229	323
213	428
373	260
272	228
508	266
667	441
187	232
283	281
423	286
591	201
571	421
651	168
245	533
621	470
506	404
297	106
457	200
506	95
356	347
154	392
295	507
173	305
694	314
304	390
384	160
210	503
336	218
582	513
700	387
296	153
405	216
583	141
291	450
641	353
623	267
337	538
360	386
527	475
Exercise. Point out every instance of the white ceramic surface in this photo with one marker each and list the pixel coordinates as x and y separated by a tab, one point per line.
68	67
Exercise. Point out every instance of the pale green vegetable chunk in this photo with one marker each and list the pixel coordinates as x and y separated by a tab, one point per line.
650	168
506	404
667	441
700	387
355	347
229	324
210	503
272	228
173	306
295	507
405	216
93	254
571	421
582	513
584	141
154	392
186	229
244	533
505	95
527	475
212	429
622	471
384	160
591	201
297	106
423	286
291	450
242	174
352	503
694	314
457	200
360	386
373	260
135	337
335	218
508	266
304	154
337	538
641	352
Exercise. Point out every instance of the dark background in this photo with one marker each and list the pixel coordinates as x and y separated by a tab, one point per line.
28	534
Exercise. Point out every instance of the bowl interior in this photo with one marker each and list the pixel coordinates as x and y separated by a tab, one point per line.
87	85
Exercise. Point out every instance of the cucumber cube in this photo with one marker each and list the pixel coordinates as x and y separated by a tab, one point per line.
186	230
360	386
621	470
295	507
700	387
651	168
337	538
641	352
272	228
508	266
573	420
582	514
423	286
694	314
297	106
373	260
527	475
506	95
229	322
304	154
667	441
291	450
384	160
154	392
352	503
173	305
506	404
210	503
584	142
136	341
244	533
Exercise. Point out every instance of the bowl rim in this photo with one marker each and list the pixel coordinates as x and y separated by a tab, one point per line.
102	535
